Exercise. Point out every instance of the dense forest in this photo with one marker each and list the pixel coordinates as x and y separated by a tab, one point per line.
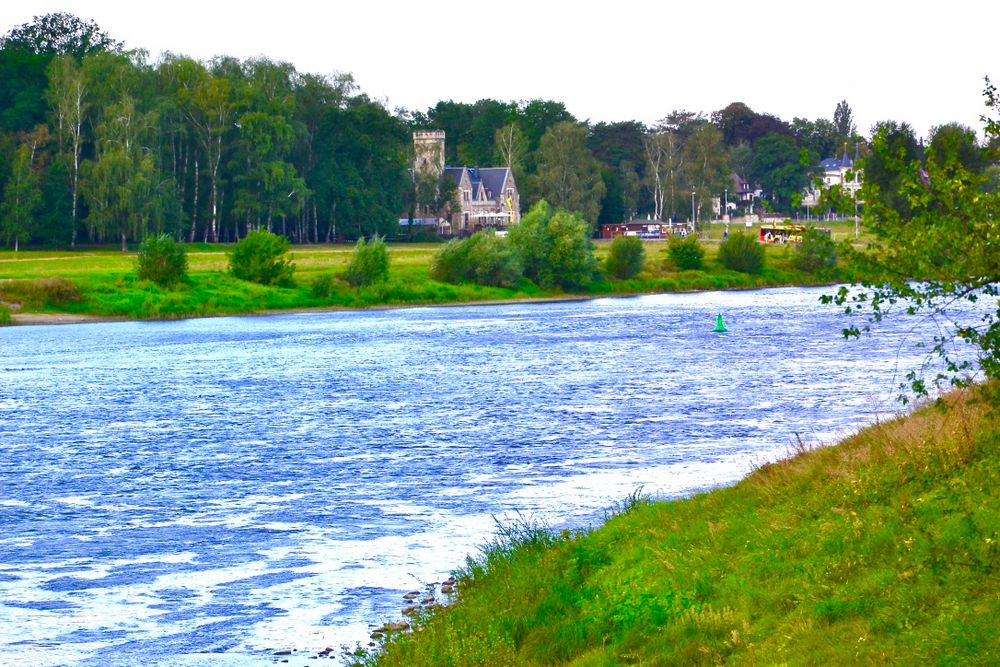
100	144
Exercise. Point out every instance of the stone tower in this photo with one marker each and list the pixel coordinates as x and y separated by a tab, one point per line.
428	152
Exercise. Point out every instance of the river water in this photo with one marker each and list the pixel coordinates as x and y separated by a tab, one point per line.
210	491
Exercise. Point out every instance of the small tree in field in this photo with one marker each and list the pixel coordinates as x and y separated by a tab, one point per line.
626	257
816	252
554	247
262	257
162	260
742	252
369	263
686	254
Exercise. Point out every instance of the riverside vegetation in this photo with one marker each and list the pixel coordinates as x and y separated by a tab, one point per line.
883	549
107	283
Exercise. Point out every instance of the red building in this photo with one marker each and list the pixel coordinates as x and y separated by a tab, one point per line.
644	230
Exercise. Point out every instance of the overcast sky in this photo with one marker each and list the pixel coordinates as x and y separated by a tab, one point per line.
918	62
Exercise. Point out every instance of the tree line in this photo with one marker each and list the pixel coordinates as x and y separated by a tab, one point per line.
100	144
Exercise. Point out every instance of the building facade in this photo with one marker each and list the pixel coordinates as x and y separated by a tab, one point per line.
486	197
836	171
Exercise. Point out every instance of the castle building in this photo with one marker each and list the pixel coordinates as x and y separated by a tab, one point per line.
487	197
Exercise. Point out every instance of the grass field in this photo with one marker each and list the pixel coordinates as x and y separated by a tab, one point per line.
102	282
883	549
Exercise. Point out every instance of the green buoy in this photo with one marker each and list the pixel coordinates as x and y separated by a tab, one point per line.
720	325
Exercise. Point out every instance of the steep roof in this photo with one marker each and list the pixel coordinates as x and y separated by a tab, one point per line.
455	173
489	180
844	162
493	179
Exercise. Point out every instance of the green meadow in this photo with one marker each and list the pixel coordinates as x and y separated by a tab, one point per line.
102	282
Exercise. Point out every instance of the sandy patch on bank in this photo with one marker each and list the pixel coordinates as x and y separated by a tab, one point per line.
54	318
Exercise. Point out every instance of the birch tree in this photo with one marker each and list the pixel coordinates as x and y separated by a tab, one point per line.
210	107
706	164
120	186
511	147
665	159
66	94
21	198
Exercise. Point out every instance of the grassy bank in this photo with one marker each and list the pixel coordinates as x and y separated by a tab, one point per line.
883	549
103	282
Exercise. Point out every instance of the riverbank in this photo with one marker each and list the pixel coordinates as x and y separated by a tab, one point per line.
39	287
884	548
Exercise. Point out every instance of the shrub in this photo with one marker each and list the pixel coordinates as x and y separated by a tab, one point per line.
162	260
324	285
816	252
626	257
483	258
451	262
369	263
41	292
686	253
5	317
493	261
741	252
262	257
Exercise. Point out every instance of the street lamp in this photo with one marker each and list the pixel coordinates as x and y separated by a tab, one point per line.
725	206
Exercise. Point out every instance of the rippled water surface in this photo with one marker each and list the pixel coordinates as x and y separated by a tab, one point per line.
211	491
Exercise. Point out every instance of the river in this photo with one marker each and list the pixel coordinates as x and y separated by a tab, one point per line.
211	491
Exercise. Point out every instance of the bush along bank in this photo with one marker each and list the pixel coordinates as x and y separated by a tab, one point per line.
549	255
883	548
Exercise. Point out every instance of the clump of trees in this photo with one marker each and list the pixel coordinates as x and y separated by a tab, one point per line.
554	247
550	247
262	257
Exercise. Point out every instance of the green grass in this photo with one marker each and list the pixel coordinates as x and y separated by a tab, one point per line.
883	549
103	282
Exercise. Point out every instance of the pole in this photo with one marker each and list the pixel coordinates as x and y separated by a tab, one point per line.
694	224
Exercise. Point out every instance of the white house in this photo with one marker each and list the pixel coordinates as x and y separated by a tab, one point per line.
836	171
